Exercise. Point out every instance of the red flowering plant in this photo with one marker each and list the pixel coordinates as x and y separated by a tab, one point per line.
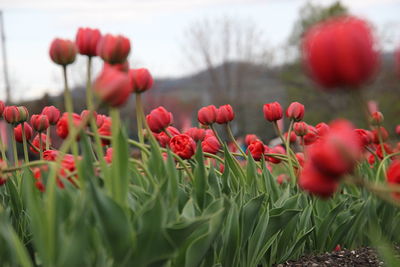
198	195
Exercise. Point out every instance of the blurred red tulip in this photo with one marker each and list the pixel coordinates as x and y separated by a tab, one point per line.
87	40
316	183
295	111
211	145
114	49
250	138
341	52
36	143
159	119
207	115
300	128
256	149
18	132
273	111
62	124
40	122
225	114
52	113
393	175
62	52
141	80
197	134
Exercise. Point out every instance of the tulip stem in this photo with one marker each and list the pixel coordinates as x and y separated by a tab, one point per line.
48	138
24	143
382	165
40	146
69	107
15	152
230	134
216	134
293	177
139	110
89	95
278	132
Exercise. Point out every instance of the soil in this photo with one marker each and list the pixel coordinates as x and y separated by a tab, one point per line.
358	257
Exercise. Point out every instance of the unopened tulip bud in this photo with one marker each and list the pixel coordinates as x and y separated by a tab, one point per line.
273	111
376	118
207	115
40	122
114	49
112	87
18	132
225	114
250	138
300	128
87	40
52	113
23	114
159	119
210	145
141	80
295	111
2	106
85	114
11	114
63	52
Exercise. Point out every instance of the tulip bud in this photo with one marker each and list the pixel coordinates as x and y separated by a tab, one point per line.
2	106
105	130
63	52
207	115
225	114
100	120
159	119
85	114
197	134
36	143
87	40
23	114
311	136
11	114
183	145
295	111
293	137
123	67
250	138
300	128
322	128
112	87
18	132
273	111
364	136
40	122
210	145
62	124
398	129
341	52
52	113
141	80
316	182
256	149
114	49
376	118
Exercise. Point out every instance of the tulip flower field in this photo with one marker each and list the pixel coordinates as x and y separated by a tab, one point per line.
191	197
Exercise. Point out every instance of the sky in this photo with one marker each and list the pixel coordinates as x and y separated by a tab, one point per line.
155	27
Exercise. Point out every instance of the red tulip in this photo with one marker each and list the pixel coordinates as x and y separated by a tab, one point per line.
50	155
300	158
62	124
183	145
256	149
273	111
100	119
322	128
113	87
113	49
398	129
341	52
365	136
123	67
338	152
163	138
311	136
18	132
108	156
105	130
386	147
197	134
85	114
52	113
87	40
293	137
250	138
300	128
23	114
141	80
276	150
207	115
211	145
40	122
11	114
225	114
159	119
393	175
376	118
316	183
295	111
63	52
2	106
36	143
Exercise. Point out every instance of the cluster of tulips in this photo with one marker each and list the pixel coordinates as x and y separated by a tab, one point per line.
338	53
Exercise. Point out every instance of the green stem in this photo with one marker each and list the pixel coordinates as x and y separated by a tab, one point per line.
89	95
24	143
230	134
382	163
48	138
15	152
3	150
287	143
40	146
69	107
30	164
139	110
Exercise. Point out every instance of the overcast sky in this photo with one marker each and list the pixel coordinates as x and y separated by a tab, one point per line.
155	28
